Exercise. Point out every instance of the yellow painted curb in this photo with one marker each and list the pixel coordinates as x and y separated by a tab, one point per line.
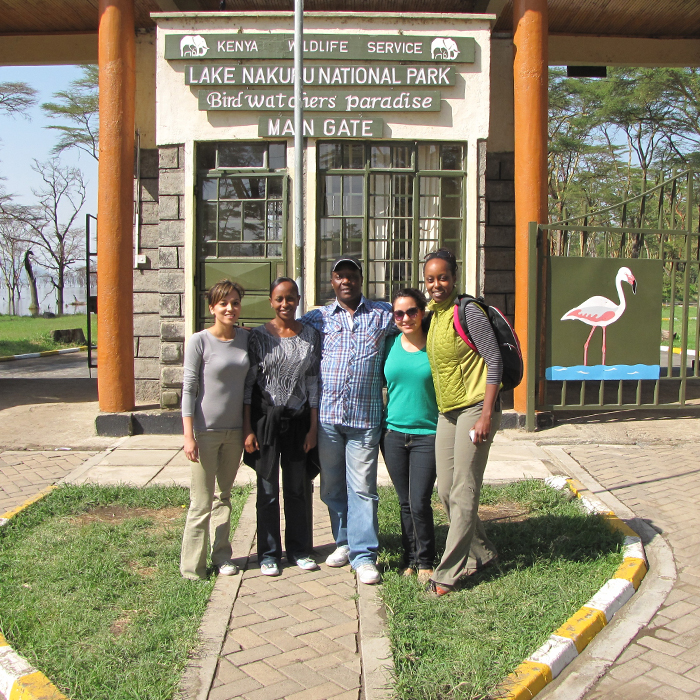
620	525
527	680
632	570
582	626
21	681
42	353
35	686
11	513
577	632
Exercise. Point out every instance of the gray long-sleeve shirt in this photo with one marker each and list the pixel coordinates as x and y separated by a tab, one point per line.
214	380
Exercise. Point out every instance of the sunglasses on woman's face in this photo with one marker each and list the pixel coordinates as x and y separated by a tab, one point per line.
411	313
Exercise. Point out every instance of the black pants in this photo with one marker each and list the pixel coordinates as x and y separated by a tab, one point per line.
410	460
294	478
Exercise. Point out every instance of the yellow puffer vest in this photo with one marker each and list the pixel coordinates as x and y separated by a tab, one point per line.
459	373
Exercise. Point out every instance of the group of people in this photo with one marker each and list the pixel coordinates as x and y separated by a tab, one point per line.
306	395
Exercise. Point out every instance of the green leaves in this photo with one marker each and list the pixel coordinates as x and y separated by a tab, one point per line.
79	106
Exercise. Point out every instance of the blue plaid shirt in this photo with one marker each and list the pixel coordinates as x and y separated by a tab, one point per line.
352	356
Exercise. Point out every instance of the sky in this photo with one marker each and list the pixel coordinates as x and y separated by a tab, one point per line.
23	140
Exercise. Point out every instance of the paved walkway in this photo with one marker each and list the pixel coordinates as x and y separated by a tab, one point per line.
293	636
661	485
23	473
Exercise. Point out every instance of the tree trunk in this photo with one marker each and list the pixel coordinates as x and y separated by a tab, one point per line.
34	306
59	294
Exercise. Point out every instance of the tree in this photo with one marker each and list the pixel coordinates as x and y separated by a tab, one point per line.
16	98
79	105
49	226
12	252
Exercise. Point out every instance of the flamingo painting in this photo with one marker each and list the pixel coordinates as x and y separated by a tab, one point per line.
600	311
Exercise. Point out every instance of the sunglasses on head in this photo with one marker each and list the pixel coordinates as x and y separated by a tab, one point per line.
411	313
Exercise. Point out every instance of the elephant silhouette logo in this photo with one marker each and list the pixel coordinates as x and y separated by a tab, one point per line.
444	48
193	46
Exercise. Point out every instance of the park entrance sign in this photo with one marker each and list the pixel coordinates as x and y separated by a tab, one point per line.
392	47
396	115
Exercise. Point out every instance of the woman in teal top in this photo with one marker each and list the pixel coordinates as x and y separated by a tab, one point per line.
408	444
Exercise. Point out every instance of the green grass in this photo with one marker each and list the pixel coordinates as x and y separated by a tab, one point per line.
98	605
677	324
23	334
463	645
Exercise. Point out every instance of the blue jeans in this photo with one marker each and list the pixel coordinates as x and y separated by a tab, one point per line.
349	487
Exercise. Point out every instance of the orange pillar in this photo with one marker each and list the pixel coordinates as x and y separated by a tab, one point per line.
115	205
530	75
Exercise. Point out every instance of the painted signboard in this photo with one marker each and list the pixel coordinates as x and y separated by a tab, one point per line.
323	126
320	101
604	319
393	47
371	75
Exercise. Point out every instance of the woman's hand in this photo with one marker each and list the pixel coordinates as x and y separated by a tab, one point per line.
251	443
191	449
310	440
482	428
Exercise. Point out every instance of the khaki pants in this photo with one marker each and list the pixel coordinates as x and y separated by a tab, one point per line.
209	516
460	472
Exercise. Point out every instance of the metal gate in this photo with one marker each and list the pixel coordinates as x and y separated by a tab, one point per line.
659	224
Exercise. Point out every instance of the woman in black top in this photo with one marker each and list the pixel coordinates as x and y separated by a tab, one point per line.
280	420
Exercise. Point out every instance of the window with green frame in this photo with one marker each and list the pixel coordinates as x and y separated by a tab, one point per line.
242	188
388	204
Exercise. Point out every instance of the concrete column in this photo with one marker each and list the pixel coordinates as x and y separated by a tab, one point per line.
115	337
530	76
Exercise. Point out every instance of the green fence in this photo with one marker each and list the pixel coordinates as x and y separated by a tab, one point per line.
659	224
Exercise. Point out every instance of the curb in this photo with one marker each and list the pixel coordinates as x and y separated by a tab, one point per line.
566	643
19	680
5	517
44	353
377	659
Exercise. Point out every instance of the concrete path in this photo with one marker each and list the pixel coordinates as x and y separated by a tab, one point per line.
662	485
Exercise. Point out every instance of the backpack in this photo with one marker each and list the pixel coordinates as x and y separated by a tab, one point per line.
508	342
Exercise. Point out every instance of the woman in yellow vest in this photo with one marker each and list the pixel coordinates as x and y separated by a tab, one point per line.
466	387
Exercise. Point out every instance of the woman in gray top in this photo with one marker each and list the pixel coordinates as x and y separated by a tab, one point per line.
280	422
216	364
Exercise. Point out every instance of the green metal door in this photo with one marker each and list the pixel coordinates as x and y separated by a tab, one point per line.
241	235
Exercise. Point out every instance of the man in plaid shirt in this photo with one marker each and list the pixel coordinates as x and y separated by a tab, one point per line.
353	330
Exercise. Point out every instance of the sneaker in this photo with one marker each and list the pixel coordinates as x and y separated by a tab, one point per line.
408	571
340	557
368	573
269	567
306	563
435	590
228	568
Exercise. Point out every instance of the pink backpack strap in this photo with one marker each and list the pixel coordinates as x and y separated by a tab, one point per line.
460	330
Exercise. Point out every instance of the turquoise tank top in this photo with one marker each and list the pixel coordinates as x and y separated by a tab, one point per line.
412	407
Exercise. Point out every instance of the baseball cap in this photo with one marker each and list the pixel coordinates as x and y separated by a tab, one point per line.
346	259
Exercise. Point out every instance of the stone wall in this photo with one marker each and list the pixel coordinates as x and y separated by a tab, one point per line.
159	285
496	253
